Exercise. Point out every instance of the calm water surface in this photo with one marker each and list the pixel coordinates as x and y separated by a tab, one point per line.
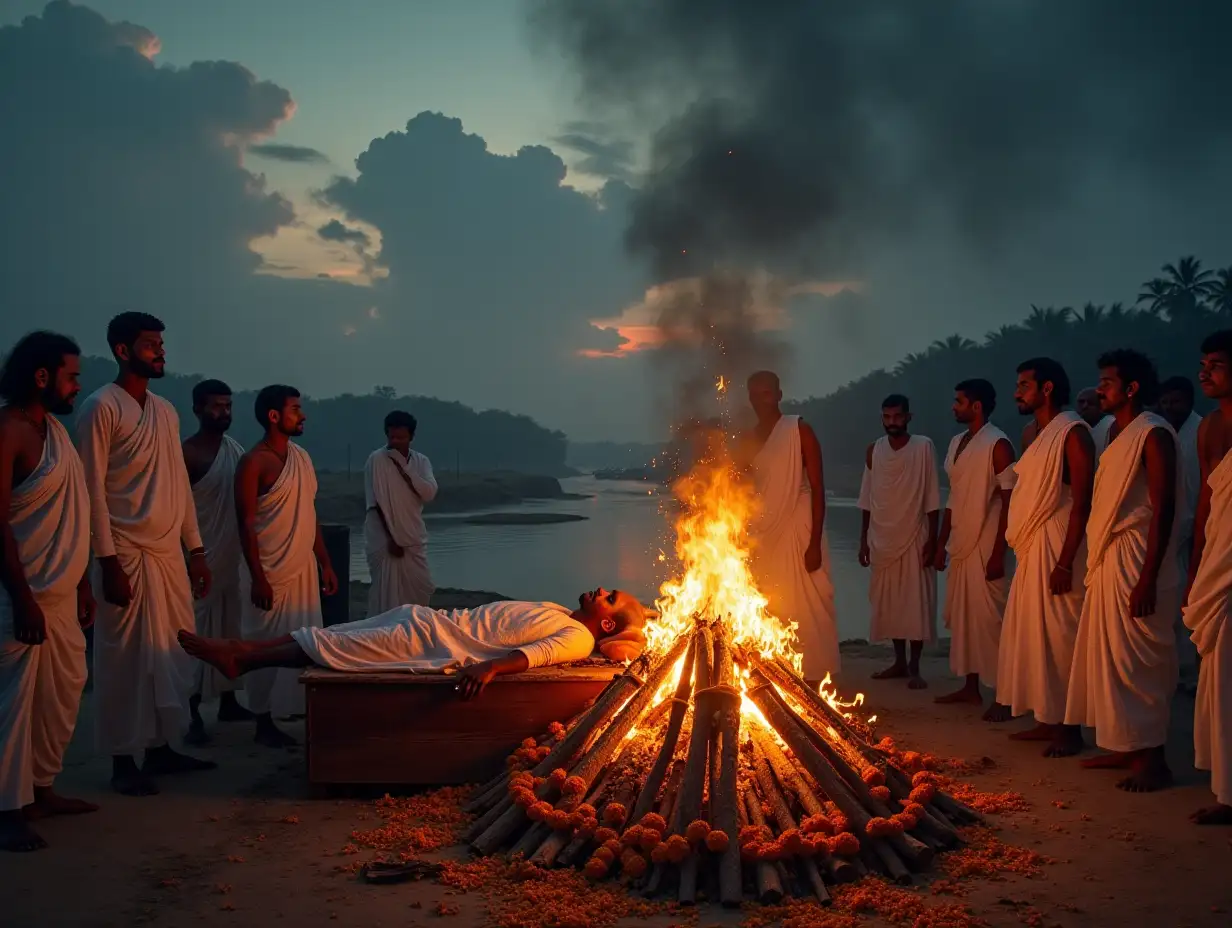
618	545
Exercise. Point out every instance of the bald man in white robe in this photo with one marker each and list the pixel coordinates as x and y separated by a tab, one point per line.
900	498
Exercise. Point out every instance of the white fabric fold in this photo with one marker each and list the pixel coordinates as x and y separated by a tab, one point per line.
388	481
780	534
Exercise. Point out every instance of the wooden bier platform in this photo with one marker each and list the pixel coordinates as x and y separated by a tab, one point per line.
403	729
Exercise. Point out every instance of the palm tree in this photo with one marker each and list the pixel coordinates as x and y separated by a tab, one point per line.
911	361
1188	287
1155	295
1048	321
955	343
1219	293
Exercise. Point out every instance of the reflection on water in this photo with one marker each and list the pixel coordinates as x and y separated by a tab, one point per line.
619	545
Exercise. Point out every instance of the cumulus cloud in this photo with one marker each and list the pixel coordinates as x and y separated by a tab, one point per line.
601	156
335	231
295	154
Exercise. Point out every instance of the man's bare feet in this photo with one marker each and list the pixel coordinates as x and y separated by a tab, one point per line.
1148	772
895	671
127	780
998	713
1066	742
162	761
220	654
916	682
16	835
1040	732
1218	814
48	803
966	695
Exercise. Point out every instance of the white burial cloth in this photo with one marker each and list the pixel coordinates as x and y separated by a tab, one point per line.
141	511
780	534
405	580
286	527
974	606
418	639
1124	671
218	614
898	492
40	685
1207	618
1038	633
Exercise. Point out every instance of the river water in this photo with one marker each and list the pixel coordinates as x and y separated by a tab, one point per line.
618	545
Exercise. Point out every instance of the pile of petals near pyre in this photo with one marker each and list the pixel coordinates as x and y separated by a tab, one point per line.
673	797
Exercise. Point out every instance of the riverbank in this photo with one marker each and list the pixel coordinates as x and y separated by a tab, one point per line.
340	496
443	598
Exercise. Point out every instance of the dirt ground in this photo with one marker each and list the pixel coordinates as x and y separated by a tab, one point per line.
242	846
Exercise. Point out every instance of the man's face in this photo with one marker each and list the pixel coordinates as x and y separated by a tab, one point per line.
290	421
399	438
1215	375
1029	395
58	390
764	397
964	409
895	419
215	414
1087	405
1175	407
146	356
1114	393
599	606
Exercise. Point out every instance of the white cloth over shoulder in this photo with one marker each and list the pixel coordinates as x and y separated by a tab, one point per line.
1099	434
974	606
141	510
388	481
781	533
1125	668
899	492
286	527
1207	617
40	685
1039	629
218	613
417	639
1191	474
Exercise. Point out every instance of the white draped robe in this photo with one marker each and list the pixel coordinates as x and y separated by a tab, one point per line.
973	605
218	614
1039	629
1125	668
405	580
141	511
780	534
1207	617
1099	434
286	527
40	685
899	492
1191	474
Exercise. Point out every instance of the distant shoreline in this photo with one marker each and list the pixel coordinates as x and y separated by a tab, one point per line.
340	496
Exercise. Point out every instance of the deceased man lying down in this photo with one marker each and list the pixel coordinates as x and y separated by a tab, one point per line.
481	643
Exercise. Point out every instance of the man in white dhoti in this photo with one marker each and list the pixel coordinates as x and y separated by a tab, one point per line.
398	481
1208	608
980	465
1176	404
791	556
477	644
45	598
211	457
901	501
1046	527
142	520
1087	405
1124	671
285	566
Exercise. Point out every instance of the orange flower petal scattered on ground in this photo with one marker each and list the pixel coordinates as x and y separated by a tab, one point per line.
990	858
717	841
412	824
900	906
985	802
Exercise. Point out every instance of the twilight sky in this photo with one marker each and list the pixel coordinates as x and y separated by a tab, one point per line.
435	195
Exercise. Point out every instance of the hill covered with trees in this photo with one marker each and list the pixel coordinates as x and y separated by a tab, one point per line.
1167	321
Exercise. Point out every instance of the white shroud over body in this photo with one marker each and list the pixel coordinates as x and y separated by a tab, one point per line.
898	493
141	511
40	685
1038	633
218	614
286	527
1207	617
1124	671
780	535
417	639
973	605
405	580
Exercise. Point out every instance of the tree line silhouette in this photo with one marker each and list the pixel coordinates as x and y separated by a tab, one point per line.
1167	321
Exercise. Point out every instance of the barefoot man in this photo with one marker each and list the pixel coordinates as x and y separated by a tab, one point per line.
901	499
791	554
397	482
477	644
1046	528
1207	610
1124	671
45	598
211	457
280	587
142	521
980	464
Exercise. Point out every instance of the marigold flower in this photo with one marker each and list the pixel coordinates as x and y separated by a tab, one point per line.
538	811
632	864
677	849
845	845
595	869
879	827
914	809
556	730
924	776
522	796
659	854
615	847
653	820
614	813
697	831
907	821
558	820
924	794
631	836
604	835
650	839
530	743
751	833
604	854
873	776
880	793
558	776
573	786
840	823
586	810
717	841
751	851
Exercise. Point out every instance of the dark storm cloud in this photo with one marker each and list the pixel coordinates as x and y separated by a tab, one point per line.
600	156
335	231
295	154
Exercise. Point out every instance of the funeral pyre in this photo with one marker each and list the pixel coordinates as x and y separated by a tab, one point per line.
709	767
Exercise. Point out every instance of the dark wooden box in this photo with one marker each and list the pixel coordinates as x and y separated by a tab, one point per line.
400	729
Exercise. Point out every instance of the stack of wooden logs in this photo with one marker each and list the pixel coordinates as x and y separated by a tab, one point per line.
673	796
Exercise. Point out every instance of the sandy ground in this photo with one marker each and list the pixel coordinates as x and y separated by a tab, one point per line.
242	846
